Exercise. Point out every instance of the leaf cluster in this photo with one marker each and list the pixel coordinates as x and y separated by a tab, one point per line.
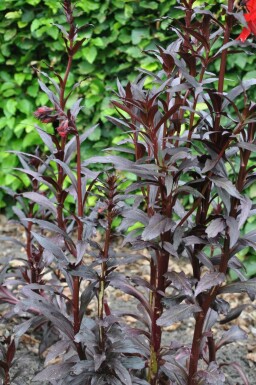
188	145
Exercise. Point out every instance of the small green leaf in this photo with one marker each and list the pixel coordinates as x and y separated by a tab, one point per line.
13	15
9	179
88	5
25	106
22	24
10	107
149	4
134	52
36	23
33	90
128	11
33	2
90	54
98	42
28	16
19	78
139	34
9	34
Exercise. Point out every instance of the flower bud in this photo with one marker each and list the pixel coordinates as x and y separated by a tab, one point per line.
63	128
45	114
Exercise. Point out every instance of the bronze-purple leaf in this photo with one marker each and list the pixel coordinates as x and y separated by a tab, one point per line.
208	281
177	313
157	225
235	333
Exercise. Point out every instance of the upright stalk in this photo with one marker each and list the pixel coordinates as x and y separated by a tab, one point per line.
223	60
76	279
110	193
159	284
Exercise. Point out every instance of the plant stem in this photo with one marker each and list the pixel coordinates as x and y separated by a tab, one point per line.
76	280
223	61
80	208
64	81
7	380
61	175
195	351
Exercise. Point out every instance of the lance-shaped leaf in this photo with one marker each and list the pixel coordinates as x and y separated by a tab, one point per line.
136	215
233	230
227	185
125	346
205	260
167	115
215	227
245	85
22	328
129	289
177	313
221	306
245	208
170	249
118	161
85	272
51	227
210	320
174	370
189	190
48	181
71	145
122	373
54	372
158	224
68	172
53	98
212	375
233	314
168	184
46	138
249	239
235	333
74	110
119	122
41	200
180	282
51	247
240	287
36	303
209	280
57	349
81	248
47	76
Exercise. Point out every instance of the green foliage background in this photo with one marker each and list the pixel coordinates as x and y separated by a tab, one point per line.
122	30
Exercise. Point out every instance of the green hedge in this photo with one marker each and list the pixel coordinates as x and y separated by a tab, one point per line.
122	30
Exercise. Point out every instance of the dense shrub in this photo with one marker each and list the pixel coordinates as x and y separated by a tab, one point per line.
122	29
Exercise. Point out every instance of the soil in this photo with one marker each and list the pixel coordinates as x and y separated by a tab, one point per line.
28	363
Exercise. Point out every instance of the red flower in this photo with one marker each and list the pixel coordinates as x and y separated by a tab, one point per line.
250	17
45	114
63	128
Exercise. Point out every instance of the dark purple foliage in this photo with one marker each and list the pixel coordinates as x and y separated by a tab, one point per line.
188	144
